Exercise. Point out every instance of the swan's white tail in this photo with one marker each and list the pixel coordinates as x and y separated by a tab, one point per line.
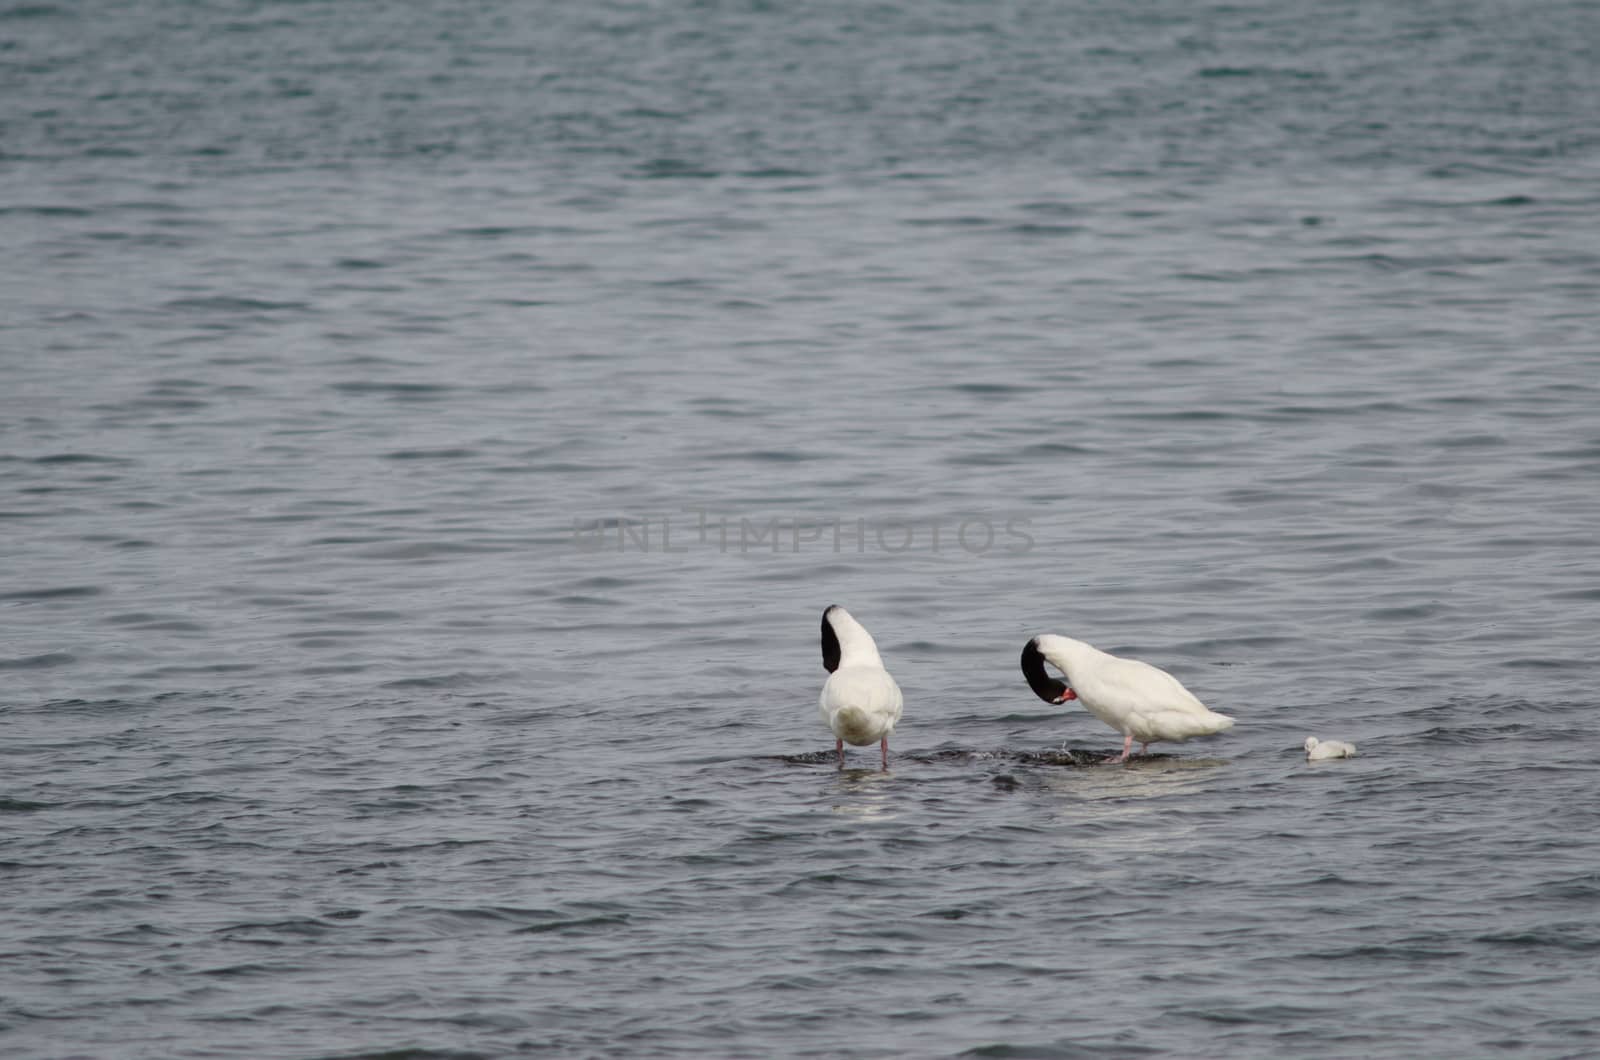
854	726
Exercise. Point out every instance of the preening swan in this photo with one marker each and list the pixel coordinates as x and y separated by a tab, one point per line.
860	701
1133	697
1317	750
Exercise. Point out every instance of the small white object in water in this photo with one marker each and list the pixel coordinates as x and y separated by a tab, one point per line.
1317	750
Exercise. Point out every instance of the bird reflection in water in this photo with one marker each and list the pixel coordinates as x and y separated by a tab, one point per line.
865	795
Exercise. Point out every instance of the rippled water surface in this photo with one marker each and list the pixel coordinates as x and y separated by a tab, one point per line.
429	435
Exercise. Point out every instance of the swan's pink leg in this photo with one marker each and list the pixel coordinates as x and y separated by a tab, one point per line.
1127	749
885	745
838	745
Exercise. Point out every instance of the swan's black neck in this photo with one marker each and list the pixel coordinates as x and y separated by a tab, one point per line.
1044	686
830	644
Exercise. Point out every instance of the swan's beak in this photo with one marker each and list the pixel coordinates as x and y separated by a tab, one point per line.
1068	694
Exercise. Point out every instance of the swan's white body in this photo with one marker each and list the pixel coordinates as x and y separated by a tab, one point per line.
860	702
1134	698
1317	750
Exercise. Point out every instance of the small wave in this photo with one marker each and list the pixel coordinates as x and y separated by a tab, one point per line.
64	592
767	456
1465	735
248	970
1212	72
779	173
995	390
39	662
399	391
148	620
455	680
413	1053
188	671
1411	613
55	459
223	303
431	454
580	924
1008	1051
265	931
1587	595
1573	938
41	211
673	169
1045	450
430	550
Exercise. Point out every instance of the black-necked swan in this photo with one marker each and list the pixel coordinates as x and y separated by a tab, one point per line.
860	701
1133	697
1317	750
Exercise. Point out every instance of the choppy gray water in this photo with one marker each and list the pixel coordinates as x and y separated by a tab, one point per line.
430	433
